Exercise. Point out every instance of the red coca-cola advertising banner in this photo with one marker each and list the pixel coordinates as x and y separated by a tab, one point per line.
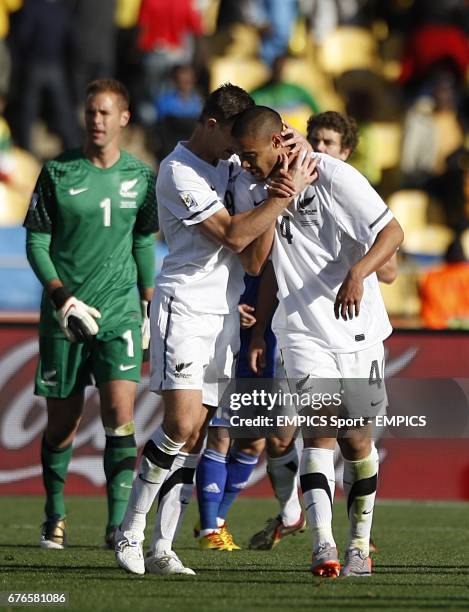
411	468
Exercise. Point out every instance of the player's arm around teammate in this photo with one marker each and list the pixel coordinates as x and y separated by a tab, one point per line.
90	231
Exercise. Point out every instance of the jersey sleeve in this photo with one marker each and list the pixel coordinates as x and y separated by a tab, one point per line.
357	207
147	216
247	194
188	196
41	210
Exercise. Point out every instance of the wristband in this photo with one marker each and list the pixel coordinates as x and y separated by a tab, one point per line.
59	296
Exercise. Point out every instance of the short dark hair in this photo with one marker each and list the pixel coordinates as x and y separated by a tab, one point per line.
342	124
112	86
257	121
225	103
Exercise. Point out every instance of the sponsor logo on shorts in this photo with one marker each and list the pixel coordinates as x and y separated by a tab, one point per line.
124	368
178	370
301	384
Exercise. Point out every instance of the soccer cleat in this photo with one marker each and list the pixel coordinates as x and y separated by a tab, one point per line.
129	553
356	564
226	536
373	547
166	564
213	541
110	539
325	563
53	533
274	531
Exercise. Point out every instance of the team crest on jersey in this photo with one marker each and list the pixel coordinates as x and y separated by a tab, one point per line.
308	209
125	189
188	200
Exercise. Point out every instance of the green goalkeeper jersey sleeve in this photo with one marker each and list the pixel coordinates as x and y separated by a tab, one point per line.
93	216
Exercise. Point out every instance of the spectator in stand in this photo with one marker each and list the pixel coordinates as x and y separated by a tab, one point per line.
280	18
290	100
170	34
96	42
178	109
6	7
46	39
182	98
438	36
432	131
444	291
128	57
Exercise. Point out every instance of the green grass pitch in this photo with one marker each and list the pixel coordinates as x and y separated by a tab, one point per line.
422	563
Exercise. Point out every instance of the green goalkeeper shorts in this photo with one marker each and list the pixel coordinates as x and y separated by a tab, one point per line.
66	368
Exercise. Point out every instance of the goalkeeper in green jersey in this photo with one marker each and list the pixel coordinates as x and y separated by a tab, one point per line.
90	239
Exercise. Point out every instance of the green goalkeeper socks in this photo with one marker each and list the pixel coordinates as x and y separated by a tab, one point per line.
120	456
54	472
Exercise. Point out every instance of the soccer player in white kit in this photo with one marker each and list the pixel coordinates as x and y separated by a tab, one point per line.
194	317
330	323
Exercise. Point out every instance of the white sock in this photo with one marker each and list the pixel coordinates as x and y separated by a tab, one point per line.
318	485
157	459
283	476
360	480
173	499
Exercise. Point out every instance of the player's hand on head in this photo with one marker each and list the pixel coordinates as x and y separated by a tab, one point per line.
349	296
77	320
246	318
280	184
257	354
303	170
294	140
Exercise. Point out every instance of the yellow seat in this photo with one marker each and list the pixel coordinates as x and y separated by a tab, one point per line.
465	242
410	207
13	206
15	195
387	138
247	73
349	48
401	297
433	239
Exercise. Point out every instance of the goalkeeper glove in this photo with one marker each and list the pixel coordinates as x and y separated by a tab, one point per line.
145	328
76	319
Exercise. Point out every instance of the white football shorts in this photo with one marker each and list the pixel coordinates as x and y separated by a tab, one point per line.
358	377
191	350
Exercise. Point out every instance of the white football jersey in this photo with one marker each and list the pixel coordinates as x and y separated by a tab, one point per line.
197	271
322	234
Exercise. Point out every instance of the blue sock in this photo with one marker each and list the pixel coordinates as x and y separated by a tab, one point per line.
239	468
210	478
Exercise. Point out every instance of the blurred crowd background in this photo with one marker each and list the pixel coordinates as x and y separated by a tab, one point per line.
399	67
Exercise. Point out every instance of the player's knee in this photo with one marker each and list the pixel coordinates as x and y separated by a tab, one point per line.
218	439
355	447
250	447
276	447
178	430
